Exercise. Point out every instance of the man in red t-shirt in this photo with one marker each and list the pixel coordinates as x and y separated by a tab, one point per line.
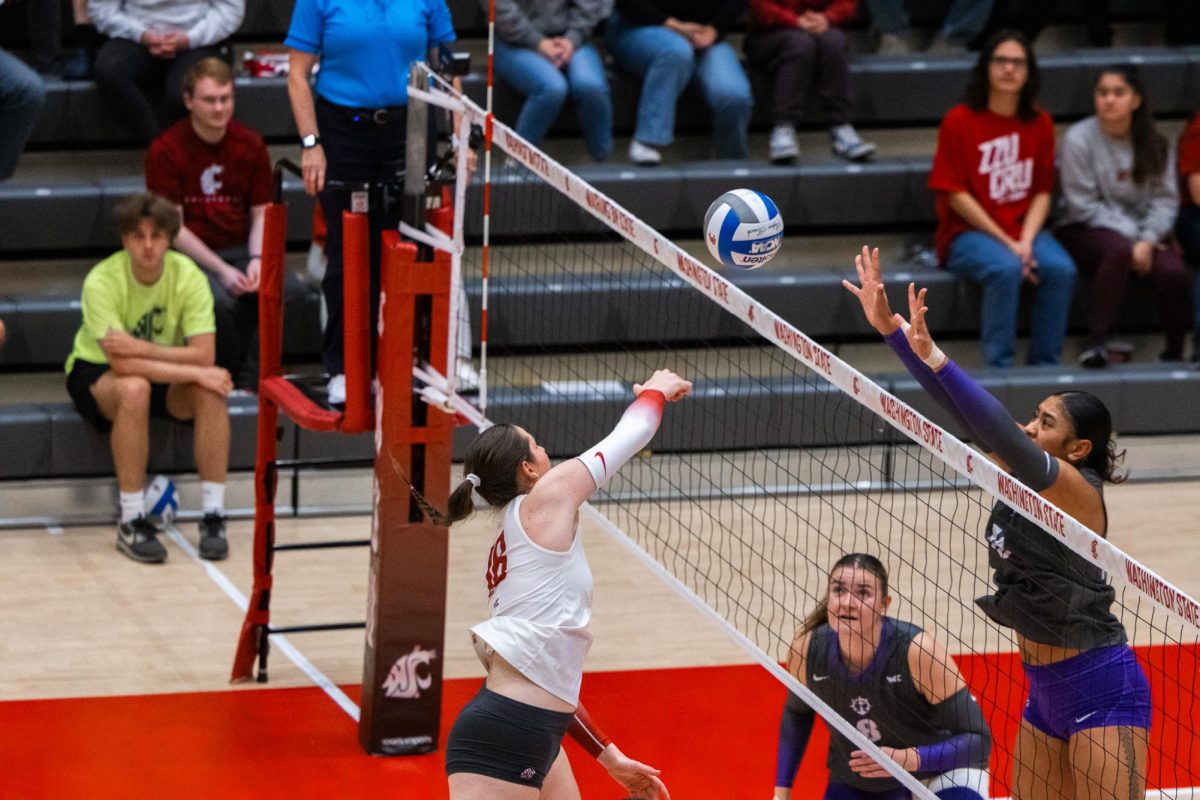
218	173
1187	225
993	173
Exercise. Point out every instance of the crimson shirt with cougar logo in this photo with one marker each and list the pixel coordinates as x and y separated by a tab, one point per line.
216	184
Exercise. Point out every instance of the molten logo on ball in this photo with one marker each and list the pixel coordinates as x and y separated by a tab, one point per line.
743	229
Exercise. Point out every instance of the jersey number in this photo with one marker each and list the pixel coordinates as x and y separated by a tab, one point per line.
869	729
497	568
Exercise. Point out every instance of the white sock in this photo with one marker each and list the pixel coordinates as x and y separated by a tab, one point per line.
133	505
212	497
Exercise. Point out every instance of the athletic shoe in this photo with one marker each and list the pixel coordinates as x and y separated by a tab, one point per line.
848	144
947	47
138	539
894	44
784	147
336	390
1118	352
644	155
1093	358
213	545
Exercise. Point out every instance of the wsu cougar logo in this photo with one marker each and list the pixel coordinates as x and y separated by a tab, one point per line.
209	184
403	681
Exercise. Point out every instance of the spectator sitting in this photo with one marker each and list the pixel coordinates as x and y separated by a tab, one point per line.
993	172
799	44
1187	226
21	97
151	45
145	349
543	50
670	43
218	173
1120	198
963	23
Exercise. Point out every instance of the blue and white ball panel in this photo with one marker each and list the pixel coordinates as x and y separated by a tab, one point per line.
743	229
162	501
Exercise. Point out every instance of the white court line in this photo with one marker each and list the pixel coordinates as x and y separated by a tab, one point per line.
280	641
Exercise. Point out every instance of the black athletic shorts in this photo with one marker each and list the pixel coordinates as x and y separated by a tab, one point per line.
505	739
79	386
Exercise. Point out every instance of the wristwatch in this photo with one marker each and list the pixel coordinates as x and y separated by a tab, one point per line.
309	142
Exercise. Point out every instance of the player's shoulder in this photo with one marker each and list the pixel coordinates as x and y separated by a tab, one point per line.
171	141
959	115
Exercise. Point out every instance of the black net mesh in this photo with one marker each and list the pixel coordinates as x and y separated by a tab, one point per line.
767	474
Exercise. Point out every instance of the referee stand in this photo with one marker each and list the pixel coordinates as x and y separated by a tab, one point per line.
406	607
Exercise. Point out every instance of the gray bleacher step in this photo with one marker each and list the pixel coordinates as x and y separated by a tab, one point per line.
54	442
886	91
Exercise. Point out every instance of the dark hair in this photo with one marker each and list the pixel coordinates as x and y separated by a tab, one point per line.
131	210
1090	420
494	457
870	563
210	67
979	85
1149	146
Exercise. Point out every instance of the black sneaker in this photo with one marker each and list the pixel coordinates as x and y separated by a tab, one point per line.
1093	357
212	537
138	539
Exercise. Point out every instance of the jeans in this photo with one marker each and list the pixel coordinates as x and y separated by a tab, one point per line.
800	64
1187	230
983	259
546	88
1108	257
356	150
21	97
667	64
144	92
963	22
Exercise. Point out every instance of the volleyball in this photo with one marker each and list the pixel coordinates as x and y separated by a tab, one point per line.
743	229
162	501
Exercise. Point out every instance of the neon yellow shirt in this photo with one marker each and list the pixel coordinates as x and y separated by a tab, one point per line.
178	305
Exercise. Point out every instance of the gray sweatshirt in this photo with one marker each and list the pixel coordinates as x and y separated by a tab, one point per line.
205	22
525	23
1096	174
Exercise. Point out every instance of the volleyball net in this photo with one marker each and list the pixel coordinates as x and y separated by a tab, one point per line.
783	459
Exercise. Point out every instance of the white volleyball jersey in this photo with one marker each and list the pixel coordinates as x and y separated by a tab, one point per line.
540	602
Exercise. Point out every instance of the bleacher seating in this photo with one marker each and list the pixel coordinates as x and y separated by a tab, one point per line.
887	91
44	218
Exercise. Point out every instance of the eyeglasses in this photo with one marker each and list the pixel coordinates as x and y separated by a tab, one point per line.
1008	61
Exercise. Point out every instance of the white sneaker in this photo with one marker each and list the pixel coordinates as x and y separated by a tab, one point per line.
643	154
784	148
336	390
848	144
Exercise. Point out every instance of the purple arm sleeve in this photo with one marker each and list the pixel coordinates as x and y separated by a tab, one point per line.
794	729
998	431
970	746
929	382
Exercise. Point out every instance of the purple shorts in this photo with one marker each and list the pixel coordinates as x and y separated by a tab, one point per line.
1095	689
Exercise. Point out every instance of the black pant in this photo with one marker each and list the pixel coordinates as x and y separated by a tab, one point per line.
357	149
145	93
237	321
801	64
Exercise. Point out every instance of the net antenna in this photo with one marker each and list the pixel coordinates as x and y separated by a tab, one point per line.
784	459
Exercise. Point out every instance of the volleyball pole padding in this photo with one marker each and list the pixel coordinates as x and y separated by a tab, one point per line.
406	600
270	348
356	311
